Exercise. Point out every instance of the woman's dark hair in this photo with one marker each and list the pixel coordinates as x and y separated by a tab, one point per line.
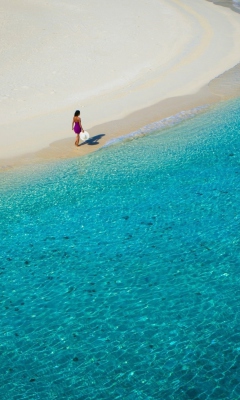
77	113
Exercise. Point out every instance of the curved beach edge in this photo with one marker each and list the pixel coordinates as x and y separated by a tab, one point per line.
222	88
156	95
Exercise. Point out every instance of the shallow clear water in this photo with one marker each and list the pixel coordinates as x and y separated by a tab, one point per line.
233	4
120	270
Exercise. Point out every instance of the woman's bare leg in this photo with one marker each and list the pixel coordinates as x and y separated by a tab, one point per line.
77	140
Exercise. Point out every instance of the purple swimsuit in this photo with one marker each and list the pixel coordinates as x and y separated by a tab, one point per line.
77	128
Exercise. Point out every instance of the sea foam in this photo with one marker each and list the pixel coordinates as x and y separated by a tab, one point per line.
160	125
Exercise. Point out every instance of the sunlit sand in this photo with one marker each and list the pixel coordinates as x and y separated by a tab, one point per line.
110	60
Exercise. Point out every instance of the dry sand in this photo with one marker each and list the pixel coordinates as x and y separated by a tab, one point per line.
130	63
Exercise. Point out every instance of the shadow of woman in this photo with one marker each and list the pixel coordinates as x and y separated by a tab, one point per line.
93	140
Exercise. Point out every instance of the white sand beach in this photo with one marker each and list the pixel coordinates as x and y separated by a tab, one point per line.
107	58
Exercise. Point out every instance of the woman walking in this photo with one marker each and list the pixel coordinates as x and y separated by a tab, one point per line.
77	126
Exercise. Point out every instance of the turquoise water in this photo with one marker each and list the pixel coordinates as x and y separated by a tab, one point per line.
120	270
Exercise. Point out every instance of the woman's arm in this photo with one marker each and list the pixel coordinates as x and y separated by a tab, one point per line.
80	123
72	123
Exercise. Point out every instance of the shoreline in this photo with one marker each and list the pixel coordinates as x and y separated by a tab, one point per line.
227	4
222	88
133	107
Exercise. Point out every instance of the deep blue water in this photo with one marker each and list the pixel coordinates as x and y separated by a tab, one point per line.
120	270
